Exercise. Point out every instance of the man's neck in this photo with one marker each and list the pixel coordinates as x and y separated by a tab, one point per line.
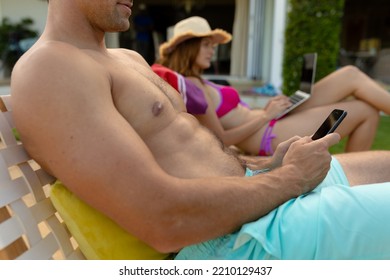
73	28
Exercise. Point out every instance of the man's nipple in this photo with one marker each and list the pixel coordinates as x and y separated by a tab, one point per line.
157	108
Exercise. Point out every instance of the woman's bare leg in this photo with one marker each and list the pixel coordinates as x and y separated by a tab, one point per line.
366	167
362	137
347	82
359	126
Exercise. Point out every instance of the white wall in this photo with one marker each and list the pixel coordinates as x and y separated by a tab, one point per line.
279	24
18	9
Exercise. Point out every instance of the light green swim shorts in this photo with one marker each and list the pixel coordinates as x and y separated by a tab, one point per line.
334	221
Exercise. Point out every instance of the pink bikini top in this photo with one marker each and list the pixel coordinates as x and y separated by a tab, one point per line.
229	99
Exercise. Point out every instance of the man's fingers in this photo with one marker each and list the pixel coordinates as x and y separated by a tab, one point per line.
324	142
287	143
332	138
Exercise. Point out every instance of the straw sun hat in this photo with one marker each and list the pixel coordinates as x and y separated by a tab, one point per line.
190	28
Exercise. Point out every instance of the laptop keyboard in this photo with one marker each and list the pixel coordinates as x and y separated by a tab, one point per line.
295	98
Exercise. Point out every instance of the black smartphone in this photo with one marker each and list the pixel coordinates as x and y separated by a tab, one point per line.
330	124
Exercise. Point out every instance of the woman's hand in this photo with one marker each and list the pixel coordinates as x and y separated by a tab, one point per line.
276	105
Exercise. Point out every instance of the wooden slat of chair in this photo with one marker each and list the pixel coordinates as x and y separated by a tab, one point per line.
17	247
29	224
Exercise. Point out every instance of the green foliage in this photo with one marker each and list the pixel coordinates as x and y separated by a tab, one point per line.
10	36
381	141
312	26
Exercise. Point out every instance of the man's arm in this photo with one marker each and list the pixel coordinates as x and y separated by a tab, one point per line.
92	149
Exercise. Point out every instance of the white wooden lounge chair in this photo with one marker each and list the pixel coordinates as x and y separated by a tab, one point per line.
30	227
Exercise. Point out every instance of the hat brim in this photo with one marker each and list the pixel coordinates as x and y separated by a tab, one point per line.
218	36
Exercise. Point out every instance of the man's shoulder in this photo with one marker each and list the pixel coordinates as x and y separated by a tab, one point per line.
50	66
49	48
126	52
46	55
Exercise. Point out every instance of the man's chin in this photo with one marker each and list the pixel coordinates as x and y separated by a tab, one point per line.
120	27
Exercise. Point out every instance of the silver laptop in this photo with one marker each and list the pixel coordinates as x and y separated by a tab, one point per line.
308	73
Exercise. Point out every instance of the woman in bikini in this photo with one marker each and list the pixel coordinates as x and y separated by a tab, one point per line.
258	131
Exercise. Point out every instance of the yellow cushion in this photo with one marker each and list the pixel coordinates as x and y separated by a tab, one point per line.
98	236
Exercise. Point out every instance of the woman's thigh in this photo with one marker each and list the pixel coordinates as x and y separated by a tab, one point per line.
305	123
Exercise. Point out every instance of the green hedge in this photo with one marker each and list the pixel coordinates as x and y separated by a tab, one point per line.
312	26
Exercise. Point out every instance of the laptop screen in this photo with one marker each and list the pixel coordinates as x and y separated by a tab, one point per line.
308	72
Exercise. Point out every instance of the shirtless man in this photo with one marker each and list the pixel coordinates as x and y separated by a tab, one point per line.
119	138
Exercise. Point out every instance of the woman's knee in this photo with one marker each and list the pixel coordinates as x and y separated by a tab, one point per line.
351	71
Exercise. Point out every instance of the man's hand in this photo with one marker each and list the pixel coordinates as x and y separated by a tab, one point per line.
257	163
281	150
311	159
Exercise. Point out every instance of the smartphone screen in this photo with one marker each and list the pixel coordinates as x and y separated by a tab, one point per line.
330	124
